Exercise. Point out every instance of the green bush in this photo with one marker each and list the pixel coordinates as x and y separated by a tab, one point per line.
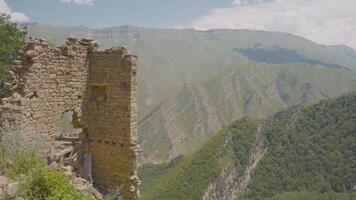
17	157
46	184
21	162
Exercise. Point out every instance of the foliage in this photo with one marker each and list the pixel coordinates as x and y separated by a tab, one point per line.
22	162
306	195
150	173
243	133
312	150
11	39
47	184
17	157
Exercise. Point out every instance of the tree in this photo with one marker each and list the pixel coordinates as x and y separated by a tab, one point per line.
11	39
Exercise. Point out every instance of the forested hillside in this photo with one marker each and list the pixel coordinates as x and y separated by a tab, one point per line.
312	150
300	149
314	196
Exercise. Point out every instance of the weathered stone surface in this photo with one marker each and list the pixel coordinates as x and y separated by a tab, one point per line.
99	87
31	54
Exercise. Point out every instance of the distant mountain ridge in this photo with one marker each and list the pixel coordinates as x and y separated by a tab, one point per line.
192	83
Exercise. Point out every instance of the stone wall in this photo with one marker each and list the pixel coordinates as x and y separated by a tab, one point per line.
99	87
111	130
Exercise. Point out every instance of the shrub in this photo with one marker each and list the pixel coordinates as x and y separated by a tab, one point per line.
23	162
47	184
17	157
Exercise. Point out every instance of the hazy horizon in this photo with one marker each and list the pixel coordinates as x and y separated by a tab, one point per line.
322	21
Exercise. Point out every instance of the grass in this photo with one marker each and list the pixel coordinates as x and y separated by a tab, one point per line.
22	162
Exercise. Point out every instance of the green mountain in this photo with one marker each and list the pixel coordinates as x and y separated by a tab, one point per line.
184	122
192	83
311	149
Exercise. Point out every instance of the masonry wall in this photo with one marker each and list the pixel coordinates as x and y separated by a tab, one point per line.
43	83
112	120
98	87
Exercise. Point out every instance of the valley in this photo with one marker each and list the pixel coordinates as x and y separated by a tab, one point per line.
293	150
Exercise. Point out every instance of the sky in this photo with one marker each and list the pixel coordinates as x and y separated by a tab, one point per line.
330	22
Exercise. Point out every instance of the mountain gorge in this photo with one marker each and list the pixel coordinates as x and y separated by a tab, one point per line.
192	83
292	154
253	89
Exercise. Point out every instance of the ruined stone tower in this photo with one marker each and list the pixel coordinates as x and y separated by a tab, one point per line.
98	87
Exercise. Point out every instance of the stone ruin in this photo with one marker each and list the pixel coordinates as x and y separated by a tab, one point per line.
98	88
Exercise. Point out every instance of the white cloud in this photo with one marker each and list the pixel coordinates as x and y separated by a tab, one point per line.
15	16
80	2
323	21
250	2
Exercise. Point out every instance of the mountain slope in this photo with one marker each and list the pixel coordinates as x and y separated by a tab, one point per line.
313	151
192	83
300	149
184	122
189	177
